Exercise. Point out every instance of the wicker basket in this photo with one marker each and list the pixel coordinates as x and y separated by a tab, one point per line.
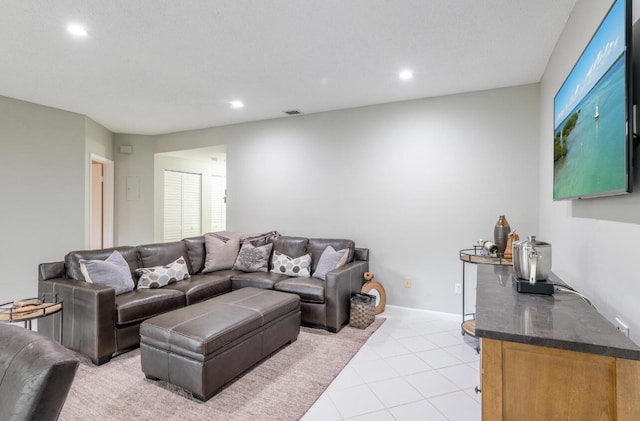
363	310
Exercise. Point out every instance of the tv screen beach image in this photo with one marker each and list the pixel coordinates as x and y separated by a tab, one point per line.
590	138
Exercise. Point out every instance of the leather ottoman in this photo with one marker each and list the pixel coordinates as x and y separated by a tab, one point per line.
205	345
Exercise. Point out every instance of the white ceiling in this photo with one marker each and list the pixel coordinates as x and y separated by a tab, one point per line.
159	66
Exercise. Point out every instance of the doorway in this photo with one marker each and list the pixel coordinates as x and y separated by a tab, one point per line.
209	166
101	203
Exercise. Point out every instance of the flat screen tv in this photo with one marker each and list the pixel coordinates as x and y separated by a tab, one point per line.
593	141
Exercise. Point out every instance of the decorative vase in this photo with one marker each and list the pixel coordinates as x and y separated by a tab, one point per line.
500	234
512	238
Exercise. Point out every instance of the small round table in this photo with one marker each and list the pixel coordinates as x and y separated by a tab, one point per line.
475	256
36	308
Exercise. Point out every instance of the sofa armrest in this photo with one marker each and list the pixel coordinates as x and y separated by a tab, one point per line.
88	317
50	271
341	284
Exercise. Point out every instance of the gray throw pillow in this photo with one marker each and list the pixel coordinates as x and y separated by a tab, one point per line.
330	260
253	259
221	251
113	272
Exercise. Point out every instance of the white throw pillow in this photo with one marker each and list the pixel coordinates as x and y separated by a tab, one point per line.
160	276
298	266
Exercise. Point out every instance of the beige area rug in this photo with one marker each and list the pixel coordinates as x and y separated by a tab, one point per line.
282	387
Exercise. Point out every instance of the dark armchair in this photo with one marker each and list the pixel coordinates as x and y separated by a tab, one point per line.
35	375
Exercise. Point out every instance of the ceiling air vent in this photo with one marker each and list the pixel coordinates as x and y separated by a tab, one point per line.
292	112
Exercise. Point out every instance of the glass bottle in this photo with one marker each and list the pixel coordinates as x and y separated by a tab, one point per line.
488	246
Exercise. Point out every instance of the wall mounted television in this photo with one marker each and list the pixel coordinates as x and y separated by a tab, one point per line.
593	139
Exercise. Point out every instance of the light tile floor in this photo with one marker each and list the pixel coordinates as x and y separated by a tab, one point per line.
416	366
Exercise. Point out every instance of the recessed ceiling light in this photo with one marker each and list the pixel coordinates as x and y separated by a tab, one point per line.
236	104
77	30
406	75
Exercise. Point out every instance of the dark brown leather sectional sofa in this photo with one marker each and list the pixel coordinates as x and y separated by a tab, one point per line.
98	323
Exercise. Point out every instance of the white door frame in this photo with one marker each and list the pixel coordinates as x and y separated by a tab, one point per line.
108	198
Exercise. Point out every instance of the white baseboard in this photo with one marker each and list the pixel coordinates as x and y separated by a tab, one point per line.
440	314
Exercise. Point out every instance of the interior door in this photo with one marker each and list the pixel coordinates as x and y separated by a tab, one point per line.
97	205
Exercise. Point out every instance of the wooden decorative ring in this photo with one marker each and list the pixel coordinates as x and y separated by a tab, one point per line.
368	286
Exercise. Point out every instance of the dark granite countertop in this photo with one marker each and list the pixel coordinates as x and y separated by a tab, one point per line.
562	320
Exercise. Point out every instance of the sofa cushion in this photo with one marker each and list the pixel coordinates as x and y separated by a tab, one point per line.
229	273
310	290
202	287
160	276
330	260
316	246
160	254
221	251
291	266
196	253
72	259
253	259
265	280
291	246
141	304
113	272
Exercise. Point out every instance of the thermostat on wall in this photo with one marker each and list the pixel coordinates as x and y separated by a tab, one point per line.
126	149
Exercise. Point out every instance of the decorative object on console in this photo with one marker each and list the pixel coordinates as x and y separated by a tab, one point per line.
376	288
487	248
253	259
511	238
291	266
160	276
500	233
113	272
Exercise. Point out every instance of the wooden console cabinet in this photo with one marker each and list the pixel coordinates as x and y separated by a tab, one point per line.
528	382
551	357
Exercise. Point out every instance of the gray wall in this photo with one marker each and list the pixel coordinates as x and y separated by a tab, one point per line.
413	181
134	210
42	185
595	240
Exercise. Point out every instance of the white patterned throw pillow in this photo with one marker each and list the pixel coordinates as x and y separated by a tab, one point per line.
160	276
291	266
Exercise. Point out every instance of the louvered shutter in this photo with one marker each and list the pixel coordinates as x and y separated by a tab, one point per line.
182	205
191	205
218	203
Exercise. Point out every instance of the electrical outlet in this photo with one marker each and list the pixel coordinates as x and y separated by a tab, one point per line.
458	288
622	326
407	282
